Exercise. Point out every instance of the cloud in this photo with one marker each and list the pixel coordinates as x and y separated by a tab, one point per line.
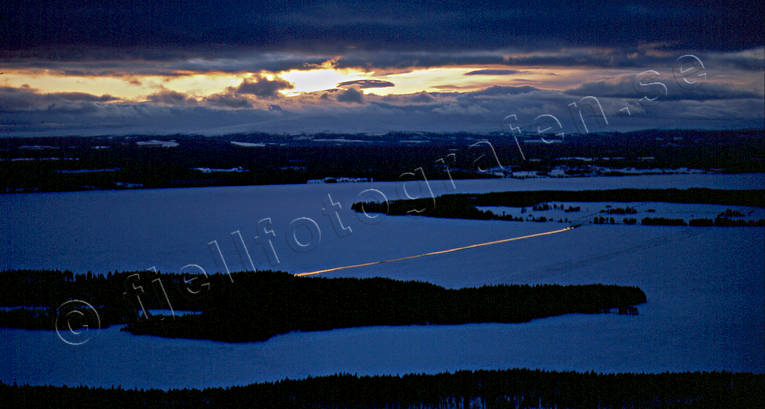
388	24
131	64
422	98
228	100
262	87
168	97
503	90
367	84
461	108
26	111
351	95
80	96
173	39
494	72
663	87
26	98
404	99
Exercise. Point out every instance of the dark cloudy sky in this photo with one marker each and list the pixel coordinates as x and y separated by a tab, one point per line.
216	67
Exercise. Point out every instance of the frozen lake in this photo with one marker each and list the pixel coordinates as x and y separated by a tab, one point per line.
705	286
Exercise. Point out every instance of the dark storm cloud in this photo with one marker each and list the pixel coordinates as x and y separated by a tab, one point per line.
411	25
624	57
367	84
244	61
171	62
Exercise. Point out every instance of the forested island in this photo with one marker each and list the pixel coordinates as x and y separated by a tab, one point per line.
256	306
516	388
465	206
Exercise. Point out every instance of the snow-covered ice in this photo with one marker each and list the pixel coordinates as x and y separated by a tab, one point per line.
705	285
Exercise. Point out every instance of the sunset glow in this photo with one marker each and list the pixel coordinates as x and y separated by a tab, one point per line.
467	68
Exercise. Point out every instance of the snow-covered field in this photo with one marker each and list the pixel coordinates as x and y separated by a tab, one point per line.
705	285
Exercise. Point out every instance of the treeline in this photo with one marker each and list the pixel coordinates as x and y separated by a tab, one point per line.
280	160
257	306
662	221
516	388
45	290
464	206
619	210
717	221
726	222
45	163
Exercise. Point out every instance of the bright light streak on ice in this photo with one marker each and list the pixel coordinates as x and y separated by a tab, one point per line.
433	253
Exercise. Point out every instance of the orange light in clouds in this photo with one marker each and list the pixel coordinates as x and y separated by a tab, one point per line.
48	83
136	88
127	87
318	79
428	79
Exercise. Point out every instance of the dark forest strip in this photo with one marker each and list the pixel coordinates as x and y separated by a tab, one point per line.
516	388
256	306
